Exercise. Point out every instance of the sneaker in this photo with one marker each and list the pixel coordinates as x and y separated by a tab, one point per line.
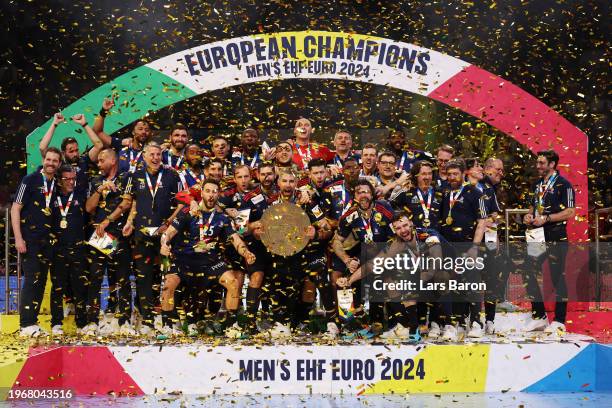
146	331
489	328
136	319
475	330
90	329
398	332
556	329
32	331
234	331
126	329
461	333
57	330
280	331
177	330
109	326
434	331
376	328
450	333
506	307
192	330
536	325
69	309
332	331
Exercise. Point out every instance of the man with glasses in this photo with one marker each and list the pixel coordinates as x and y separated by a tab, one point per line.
68	267
283	158
444	154
388	177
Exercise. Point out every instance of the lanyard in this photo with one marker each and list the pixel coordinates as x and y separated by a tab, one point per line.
134	160
178	162
401	163
197	178
305	157
253	162
542	190
157	183
47	191
205	227
424	206
338	161
64	210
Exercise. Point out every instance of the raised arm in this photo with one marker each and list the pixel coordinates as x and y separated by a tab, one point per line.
79	119
44	142
98	126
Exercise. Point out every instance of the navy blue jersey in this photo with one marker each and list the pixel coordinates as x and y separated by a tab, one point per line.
338	161
490	197
130	159
36	217
552	197
464	215
170	160
154	207
375	229
109	201
341	198
424	208
257	201
201	236
84	168
69	221
189	177
406	159
442	184
253	159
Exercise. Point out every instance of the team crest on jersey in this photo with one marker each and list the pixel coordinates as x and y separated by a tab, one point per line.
352	217
317	211
257	199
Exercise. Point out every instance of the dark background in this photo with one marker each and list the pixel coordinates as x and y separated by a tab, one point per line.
54	52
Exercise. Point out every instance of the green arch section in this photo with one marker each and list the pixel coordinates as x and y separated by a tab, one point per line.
138	91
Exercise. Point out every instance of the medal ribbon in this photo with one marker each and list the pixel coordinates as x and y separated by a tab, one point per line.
134	160
453	199
401	163
157	183
205	227
47	191
178	162
64	210
305	157
426	207
542	190
367	226
338	161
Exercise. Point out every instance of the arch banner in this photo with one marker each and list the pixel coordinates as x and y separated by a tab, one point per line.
342	56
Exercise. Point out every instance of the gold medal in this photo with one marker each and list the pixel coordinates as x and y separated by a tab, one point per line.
540	209
63	223
377	217
449	220
426	222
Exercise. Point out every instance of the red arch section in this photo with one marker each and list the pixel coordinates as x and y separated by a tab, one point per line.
517	113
